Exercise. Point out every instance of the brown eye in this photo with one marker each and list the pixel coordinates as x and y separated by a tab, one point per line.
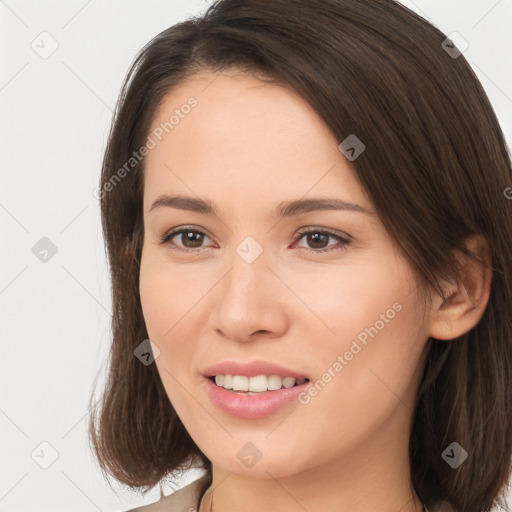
318	240
189	239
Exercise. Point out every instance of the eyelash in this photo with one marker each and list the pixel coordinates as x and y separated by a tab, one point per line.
166	238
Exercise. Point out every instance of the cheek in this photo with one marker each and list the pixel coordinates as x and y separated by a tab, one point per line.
165	306
340	301
369	350
173	300
158	302
361	385
169	295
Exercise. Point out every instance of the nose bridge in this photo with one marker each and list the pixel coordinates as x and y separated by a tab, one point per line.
246	281
247	302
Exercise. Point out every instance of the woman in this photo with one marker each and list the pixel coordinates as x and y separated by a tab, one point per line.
306	217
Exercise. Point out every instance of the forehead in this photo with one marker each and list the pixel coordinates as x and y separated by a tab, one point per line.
234	100
243	135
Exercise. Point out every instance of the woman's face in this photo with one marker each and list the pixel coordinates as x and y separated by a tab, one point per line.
321	292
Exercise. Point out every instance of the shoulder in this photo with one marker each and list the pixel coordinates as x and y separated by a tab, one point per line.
181	500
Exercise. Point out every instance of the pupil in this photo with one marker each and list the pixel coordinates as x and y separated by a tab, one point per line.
316	236
193	237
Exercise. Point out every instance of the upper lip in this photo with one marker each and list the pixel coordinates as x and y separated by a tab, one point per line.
251	369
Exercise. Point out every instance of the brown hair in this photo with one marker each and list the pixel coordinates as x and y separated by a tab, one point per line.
436	167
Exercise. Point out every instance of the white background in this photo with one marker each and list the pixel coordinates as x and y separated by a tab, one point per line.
55	114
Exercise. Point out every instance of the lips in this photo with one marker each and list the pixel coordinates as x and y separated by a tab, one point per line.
255	405
252	406
252	369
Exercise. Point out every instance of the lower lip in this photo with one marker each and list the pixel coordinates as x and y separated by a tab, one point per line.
252	406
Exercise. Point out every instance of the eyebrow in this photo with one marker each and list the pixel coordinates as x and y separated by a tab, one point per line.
284	209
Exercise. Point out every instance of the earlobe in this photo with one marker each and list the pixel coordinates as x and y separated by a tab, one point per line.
466	299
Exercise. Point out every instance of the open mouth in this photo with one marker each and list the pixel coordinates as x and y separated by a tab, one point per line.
264	384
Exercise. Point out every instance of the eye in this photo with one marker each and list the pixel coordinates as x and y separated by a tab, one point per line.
192	239
319	237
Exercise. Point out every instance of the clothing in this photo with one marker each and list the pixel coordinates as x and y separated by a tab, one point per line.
182	500
187	499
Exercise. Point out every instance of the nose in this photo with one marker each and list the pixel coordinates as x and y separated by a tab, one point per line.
250	302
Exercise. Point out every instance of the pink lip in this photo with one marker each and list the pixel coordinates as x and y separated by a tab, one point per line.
251	369
252	406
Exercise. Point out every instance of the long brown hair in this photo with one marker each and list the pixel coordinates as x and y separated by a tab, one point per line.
436	167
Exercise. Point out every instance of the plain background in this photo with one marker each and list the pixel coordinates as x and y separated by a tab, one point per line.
55	114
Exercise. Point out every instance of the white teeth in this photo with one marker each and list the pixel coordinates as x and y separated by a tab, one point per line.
257	384
274	382
288	382
240	383
228	381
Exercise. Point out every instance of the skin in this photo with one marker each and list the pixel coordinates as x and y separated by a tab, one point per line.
247	147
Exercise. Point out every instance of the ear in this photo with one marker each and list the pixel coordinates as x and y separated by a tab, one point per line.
467	299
